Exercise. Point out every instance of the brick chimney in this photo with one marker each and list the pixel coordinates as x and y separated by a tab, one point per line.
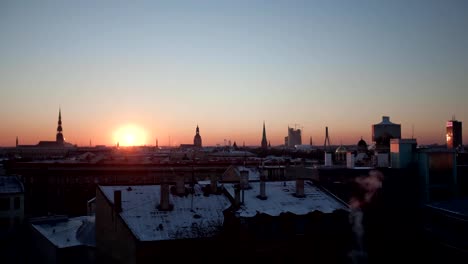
180	185
244	179
164	202
214	183
300	187
118	201
237	196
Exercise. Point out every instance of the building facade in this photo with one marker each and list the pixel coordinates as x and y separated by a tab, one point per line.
454	134
384	131
294	137
11	204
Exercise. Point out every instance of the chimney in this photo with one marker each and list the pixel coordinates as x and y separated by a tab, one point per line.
300	187
262	195
214	183
164	202
237	198
244	179
118	201
180	185
349	160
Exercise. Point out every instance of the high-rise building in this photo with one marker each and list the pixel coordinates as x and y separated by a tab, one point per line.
384	131
264	139
294	137
197	141
454	134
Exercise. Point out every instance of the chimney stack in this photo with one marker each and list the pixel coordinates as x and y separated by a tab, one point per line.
164	202
300	187
180	185
237	198
118	201
214	183
244	179
262	195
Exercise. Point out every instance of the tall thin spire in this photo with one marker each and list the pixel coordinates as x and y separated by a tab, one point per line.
264	138
327	140
59	138
17	141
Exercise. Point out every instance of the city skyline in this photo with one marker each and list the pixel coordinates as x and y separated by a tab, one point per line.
166	67
135	135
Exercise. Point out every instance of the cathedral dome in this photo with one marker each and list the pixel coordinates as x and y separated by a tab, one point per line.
362	145
340	149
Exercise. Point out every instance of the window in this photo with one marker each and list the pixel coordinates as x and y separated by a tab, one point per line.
17	203
4	204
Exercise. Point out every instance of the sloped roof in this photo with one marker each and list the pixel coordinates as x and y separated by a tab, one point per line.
281	199
140	213
68	232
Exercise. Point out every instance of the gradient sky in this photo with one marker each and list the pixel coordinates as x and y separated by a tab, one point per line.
168	66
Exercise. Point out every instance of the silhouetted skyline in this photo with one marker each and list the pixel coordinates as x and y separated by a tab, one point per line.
166	67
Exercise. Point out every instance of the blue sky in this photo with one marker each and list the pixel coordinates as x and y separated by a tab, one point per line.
228	65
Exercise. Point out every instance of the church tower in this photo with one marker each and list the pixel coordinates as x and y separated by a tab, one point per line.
197	142
264	139
59	137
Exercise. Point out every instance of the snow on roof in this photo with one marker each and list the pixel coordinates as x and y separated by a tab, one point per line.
254	173
281	199
10	185
140	213
68	232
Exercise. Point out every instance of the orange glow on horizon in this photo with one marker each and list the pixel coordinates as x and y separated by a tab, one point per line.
130	135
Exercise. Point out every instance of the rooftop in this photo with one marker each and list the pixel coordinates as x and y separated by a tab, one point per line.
386	121
67	232
281	199
10	185
140	213
455	206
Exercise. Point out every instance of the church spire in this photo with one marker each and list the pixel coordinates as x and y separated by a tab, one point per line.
59	137
264	139
197	140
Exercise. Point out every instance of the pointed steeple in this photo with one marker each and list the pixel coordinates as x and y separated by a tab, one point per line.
59	138
17	141
264	139
197	140
311	140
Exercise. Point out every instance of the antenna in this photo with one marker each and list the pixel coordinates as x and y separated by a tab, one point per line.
412	131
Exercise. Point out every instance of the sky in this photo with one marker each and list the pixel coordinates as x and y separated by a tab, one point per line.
156	69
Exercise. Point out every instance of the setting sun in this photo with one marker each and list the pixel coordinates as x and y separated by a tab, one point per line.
130	135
